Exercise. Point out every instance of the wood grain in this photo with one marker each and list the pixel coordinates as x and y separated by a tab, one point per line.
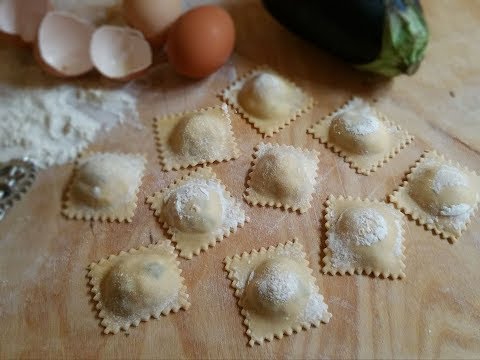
45	306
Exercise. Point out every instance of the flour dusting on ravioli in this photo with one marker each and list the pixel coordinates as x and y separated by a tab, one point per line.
195	137
198	211
104	186
136	285
282	176
360	134
267	100
439	194
364	236
276	291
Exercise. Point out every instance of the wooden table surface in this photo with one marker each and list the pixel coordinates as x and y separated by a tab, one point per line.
45	304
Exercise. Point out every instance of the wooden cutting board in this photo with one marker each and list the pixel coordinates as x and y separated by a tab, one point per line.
45	305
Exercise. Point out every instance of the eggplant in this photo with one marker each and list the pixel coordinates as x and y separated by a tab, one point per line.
388	37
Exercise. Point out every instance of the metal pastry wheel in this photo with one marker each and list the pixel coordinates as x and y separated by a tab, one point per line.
16	177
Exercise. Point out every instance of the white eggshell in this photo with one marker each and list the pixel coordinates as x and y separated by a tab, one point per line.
63	43
22	17
120	52
8	17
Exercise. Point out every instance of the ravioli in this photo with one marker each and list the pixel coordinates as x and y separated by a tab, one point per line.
360	134
104	186
267	100
137	285
197	211
439	194
282	176
364	236
195	137
276	291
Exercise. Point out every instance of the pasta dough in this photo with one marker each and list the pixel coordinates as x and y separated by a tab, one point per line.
276	291
196	137
265	95
267	100
364	236
439	194
365	138
359	131
277	286
198	211
195	207
137	285
104	186
282	176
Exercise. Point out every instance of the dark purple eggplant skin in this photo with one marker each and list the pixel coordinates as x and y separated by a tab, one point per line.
349	29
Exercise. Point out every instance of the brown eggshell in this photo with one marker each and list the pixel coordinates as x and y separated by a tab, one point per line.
63	44
152	17
120	53
201	41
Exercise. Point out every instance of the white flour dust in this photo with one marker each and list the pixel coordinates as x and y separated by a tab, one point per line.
48	120
196	189
314	310
367	226
278	285
448	176
360	122
359	118
264	84
51	120
361	228
454	210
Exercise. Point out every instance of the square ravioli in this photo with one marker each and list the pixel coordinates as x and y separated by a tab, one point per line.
361	135
276	291
439	194
104	186
282	176
198	211
363	236
267	100
195	137
136	285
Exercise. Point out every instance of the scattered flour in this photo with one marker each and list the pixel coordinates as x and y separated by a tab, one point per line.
264	83
448	176
277	285
106	170
51	120
457	222
232	214
367	226
360	121
305	165
397	247
455	210
342	256
226	113
314	310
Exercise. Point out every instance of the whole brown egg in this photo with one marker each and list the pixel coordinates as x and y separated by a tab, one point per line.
200	41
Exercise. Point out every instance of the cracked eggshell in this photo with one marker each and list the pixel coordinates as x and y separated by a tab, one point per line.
62	44
21	18
120	53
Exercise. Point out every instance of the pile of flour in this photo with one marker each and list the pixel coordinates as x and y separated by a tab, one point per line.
51	120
